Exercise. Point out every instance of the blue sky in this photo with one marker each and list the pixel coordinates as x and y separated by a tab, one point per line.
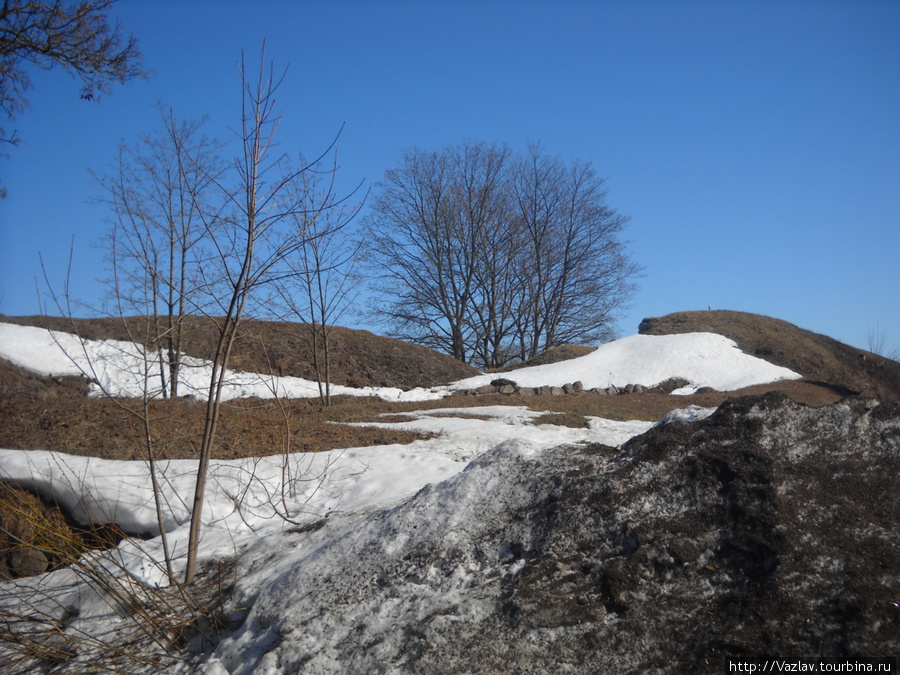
754	145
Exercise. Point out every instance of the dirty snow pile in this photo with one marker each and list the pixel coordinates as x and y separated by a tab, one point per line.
250	504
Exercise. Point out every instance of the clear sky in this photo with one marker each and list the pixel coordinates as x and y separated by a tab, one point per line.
754	145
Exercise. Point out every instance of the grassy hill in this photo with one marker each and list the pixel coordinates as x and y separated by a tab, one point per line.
54	413
818	358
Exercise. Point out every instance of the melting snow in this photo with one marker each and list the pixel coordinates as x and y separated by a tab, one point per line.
251	502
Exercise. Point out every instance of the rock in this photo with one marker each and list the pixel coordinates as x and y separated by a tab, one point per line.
597	390
557	391
25	561
568	389
578	386
507	389
546	391
528	391
670	385
638	388
611	389
485	389
767	528
629	388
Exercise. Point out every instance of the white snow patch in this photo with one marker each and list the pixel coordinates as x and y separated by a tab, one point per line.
704	359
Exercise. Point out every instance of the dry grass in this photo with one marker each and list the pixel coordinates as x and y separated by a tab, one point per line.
358	358
99	428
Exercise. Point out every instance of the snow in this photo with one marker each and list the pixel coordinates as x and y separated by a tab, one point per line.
251	503
118	368
704	359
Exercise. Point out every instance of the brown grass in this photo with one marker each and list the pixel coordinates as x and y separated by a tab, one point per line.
358	358
99	428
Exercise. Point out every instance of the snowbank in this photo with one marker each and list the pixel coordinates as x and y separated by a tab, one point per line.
704	359
119	368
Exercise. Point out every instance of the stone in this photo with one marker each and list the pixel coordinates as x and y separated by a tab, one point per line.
578	386
557	391
568	389
507	389
26	561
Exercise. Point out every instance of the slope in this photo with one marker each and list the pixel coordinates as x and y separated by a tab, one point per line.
358	358
818	358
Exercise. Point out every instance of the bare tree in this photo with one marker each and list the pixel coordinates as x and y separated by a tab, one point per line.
144	365
323	286
157	192
877	342
426	231
493	257
75	37
574	272
251	248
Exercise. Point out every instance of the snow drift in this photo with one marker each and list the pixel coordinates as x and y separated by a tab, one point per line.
703	359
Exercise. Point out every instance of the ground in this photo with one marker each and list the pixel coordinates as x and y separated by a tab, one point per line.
53	412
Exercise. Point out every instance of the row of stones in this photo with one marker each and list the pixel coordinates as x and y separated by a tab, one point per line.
510	388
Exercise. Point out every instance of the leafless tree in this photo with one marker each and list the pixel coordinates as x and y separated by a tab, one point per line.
426	232
144	366
574	271
324	283
156	193
77	37
877	342
493	257
253	241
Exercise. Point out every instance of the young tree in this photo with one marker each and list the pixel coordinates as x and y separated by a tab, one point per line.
322	286
251	247
156	194
143	366
76	37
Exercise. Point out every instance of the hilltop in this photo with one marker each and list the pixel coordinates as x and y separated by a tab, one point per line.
819	358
